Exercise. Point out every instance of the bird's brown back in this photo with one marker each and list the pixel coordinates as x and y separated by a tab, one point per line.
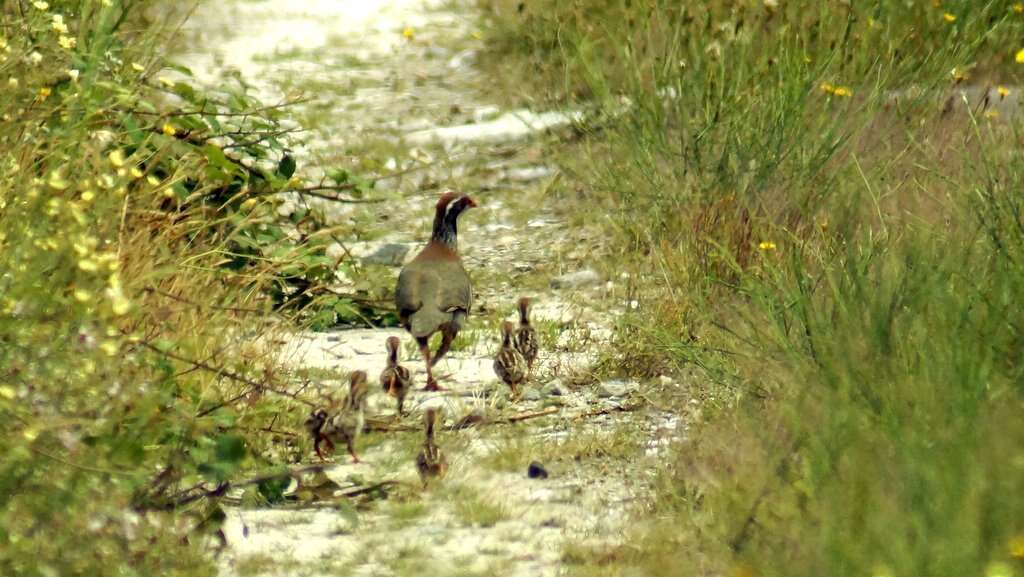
434	284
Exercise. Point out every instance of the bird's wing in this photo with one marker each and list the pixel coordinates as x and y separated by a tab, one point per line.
411	282
456	293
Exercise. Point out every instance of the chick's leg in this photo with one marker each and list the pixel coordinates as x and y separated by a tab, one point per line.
352	451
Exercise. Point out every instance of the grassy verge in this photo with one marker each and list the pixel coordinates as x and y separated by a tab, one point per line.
142	259
823	225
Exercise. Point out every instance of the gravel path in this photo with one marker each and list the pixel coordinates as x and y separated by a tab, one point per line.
395	85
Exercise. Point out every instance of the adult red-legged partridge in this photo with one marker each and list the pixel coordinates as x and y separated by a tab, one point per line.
347	424
431	462
526	336
395	379
509	364
434	293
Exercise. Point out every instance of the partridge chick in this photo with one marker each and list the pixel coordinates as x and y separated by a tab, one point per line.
433	292
509	364
314	426
345	426
526	336
431	462
395	379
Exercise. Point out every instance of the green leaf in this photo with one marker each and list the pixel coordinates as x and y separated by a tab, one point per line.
185	91
287	166
230	448
273	489
179	67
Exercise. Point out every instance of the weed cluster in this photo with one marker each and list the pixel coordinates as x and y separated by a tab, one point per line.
822	200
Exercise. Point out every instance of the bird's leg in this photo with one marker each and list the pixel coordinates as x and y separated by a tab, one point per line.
330	443
352	451
316	447
431	383
425	351
446	344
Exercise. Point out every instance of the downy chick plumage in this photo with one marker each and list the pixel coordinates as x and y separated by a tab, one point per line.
347	424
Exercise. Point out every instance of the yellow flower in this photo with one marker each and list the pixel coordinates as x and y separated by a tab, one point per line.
88	195
67	42
110	259
57	181
1018	8
766	245
248	203
949	17
1020	56
88	265
826	87
120	305
82	295
110	348
1016	546
7	392
138	67
40	5
136	172
59	25
116	157
166	81
12	82
30	433
153	180
958	75
408	33
169	130
168	193
842	92
45	92
1003	91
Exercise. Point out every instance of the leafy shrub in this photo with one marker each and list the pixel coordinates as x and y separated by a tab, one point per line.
142	257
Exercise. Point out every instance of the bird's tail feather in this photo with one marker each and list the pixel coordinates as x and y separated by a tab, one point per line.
426	321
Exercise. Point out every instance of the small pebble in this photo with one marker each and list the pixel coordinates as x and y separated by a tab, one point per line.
536	471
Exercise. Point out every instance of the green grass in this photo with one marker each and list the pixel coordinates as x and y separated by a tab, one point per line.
472	509
839	269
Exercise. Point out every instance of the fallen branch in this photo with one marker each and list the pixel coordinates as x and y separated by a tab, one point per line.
193	494
475	420
609	410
